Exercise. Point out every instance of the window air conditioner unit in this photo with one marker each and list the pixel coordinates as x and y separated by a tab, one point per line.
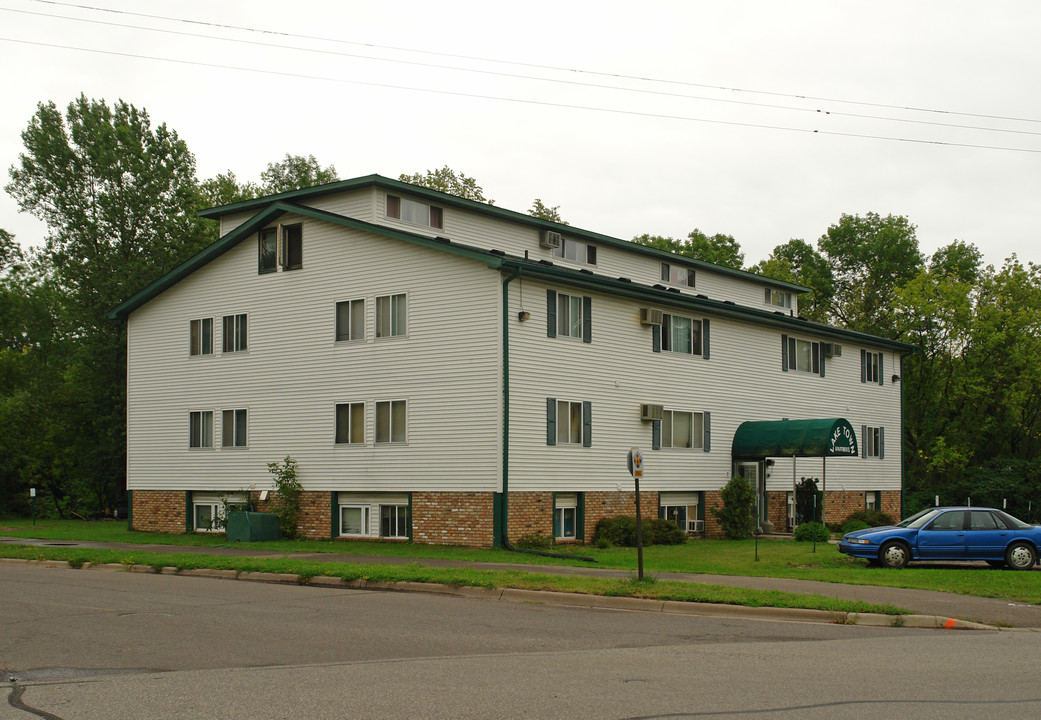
550	239
651	412
650	316
695	526
832	350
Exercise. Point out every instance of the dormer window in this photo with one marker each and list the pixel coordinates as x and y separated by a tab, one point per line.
677	274
417	213
576	251
778	298
289	252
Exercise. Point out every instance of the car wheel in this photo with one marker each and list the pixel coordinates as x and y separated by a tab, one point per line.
996	563
1020	556
894	554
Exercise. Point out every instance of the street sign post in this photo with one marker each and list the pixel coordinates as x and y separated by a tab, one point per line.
635	463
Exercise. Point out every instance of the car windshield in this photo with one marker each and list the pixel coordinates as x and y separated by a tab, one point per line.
919	518
1011	522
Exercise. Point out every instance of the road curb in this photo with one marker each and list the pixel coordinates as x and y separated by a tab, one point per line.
549	597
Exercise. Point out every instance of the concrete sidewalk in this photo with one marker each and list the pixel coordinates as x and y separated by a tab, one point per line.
940	605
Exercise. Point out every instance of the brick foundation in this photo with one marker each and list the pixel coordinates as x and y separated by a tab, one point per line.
447	518
158	511
450	518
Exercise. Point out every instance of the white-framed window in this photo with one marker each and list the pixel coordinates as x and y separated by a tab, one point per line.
350	424
394	521
569	422
210	511
234	333
680	429
565	516
871	367
354	520
233	428
415	212
569	315
200	333
873	440
802	355
391	315
680	334
200	429
677	274
873	500
576	251
777	298
292	247
391	421
350	320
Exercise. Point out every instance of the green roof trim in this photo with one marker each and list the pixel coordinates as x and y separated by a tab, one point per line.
269	214
833	437
699	304
492	211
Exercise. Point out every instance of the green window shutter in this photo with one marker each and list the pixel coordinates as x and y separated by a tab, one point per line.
708	431
784	353
815	358
863	441
881	373
408	517
551	421
863	365
189	512
558	518
130	509
587	424
661	511
881	443
580	517
704	338
587	319
682	518
655	434
551	313
334	515
656	338
820	349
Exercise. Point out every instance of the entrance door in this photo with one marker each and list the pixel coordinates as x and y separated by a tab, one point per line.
750	472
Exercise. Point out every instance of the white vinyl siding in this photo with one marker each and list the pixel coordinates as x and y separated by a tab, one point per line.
292	375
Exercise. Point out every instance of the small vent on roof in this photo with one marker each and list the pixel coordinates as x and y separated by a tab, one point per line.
443	239
658	287
546	262
729	302
703	297
587	271
624	279
673	290
497	252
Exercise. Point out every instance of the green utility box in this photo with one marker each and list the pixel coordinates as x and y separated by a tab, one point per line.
252	526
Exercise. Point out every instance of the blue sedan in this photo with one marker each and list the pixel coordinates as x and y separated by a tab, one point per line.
949	533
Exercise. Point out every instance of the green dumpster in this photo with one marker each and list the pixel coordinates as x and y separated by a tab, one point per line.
252	526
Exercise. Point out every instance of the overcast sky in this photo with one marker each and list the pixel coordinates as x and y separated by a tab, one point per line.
764	120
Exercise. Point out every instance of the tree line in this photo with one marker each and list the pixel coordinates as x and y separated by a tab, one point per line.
120	199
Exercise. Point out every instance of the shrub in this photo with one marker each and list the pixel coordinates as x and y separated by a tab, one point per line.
853	525
737	516
812	531
287	495
621	531
533	541
871	518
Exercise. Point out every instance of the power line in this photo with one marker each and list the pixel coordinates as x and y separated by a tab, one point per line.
544	103
414	63
544	67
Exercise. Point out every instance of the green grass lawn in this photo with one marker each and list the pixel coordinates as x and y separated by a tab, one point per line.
776	558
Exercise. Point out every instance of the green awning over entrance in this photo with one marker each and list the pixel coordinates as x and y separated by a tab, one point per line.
802	438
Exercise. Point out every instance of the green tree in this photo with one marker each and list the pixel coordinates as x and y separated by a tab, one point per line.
10	251
719	249
449	181
544	212
737	516
294	172
797	262
869	257
225	189
119	198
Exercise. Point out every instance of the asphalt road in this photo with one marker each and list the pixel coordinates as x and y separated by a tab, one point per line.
91	644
